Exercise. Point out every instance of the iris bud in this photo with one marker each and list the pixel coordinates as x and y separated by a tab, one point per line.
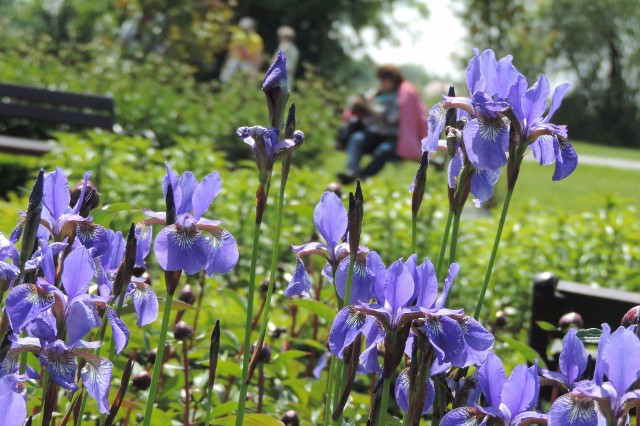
187	295
142	380
291	418
570	319
631	317
265	353
335	188
501	319
91	197
182	331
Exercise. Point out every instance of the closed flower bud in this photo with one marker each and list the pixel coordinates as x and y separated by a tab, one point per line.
265	353
91	197
182	331
631	317
570	319
187	295
142	380
335	188
138	271
291	418
501	319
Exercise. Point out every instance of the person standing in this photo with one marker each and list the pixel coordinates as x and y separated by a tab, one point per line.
286	43
245	51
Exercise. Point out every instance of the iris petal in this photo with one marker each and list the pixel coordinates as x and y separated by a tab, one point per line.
300	283
145	303
181	248
223	252
24	302
486	142
96	378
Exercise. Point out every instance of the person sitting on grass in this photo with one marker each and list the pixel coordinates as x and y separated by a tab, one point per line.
394	124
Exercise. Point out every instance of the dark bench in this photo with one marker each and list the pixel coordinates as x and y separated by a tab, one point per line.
54	109
553	298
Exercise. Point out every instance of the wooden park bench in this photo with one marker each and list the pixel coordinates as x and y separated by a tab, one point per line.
553	298
55	110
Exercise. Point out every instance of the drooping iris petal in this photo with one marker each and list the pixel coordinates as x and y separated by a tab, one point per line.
349	322
621	358
362	280
43	327
543	150
573	409
205	193
24	302
566	159
77	272
181	248
61	365
464	416
81	318
573	358
478	341
223	252
491	379
13	406
96	378
402	393
435	123
330	218
369	357
300	283
486	142
520	391
119	330
145	303
445	335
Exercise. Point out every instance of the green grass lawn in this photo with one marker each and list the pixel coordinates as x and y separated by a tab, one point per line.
589	188
603	150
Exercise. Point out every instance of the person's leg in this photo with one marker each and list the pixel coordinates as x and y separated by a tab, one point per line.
383	152
354	151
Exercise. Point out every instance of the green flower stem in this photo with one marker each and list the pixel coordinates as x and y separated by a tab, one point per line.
274	257
384	401
327	406
157	366
443	244
454	238
494	252
244	386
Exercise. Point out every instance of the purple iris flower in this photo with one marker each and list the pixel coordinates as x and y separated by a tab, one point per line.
619	360
30	306
573	362
266	146
486	135
331	220
509	401
548	141
482	180
402	392
144	298
59	359
13	403
57	216
183	245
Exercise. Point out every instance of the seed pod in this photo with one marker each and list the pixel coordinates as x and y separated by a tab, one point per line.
182	331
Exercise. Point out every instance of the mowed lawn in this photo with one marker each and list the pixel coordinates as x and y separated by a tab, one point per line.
589	188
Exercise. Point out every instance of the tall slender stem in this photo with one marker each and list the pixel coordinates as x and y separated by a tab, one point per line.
384	402
443	244
187	398
327	406
494	252
454	238
247	330
274	260
157	366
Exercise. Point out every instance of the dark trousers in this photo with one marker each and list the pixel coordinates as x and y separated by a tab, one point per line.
381	147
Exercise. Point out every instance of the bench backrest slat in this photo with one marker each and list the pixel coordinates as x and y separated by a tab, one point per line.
57	116
33	94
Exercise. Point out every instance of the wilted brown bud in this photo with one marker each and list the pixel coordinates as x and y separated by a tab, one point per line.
265	353
336	188
570	319
91	197
631	317
291	418
187	295
182	331
142	380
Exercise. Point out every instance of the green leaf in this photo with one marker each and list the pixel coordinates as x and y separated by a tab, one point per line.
293	354
590	335
249	420
119	207
318	308
546	326
525	350
228	368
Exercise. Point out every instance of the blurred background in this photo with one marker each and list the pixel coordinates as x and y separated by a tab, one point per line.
162	62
